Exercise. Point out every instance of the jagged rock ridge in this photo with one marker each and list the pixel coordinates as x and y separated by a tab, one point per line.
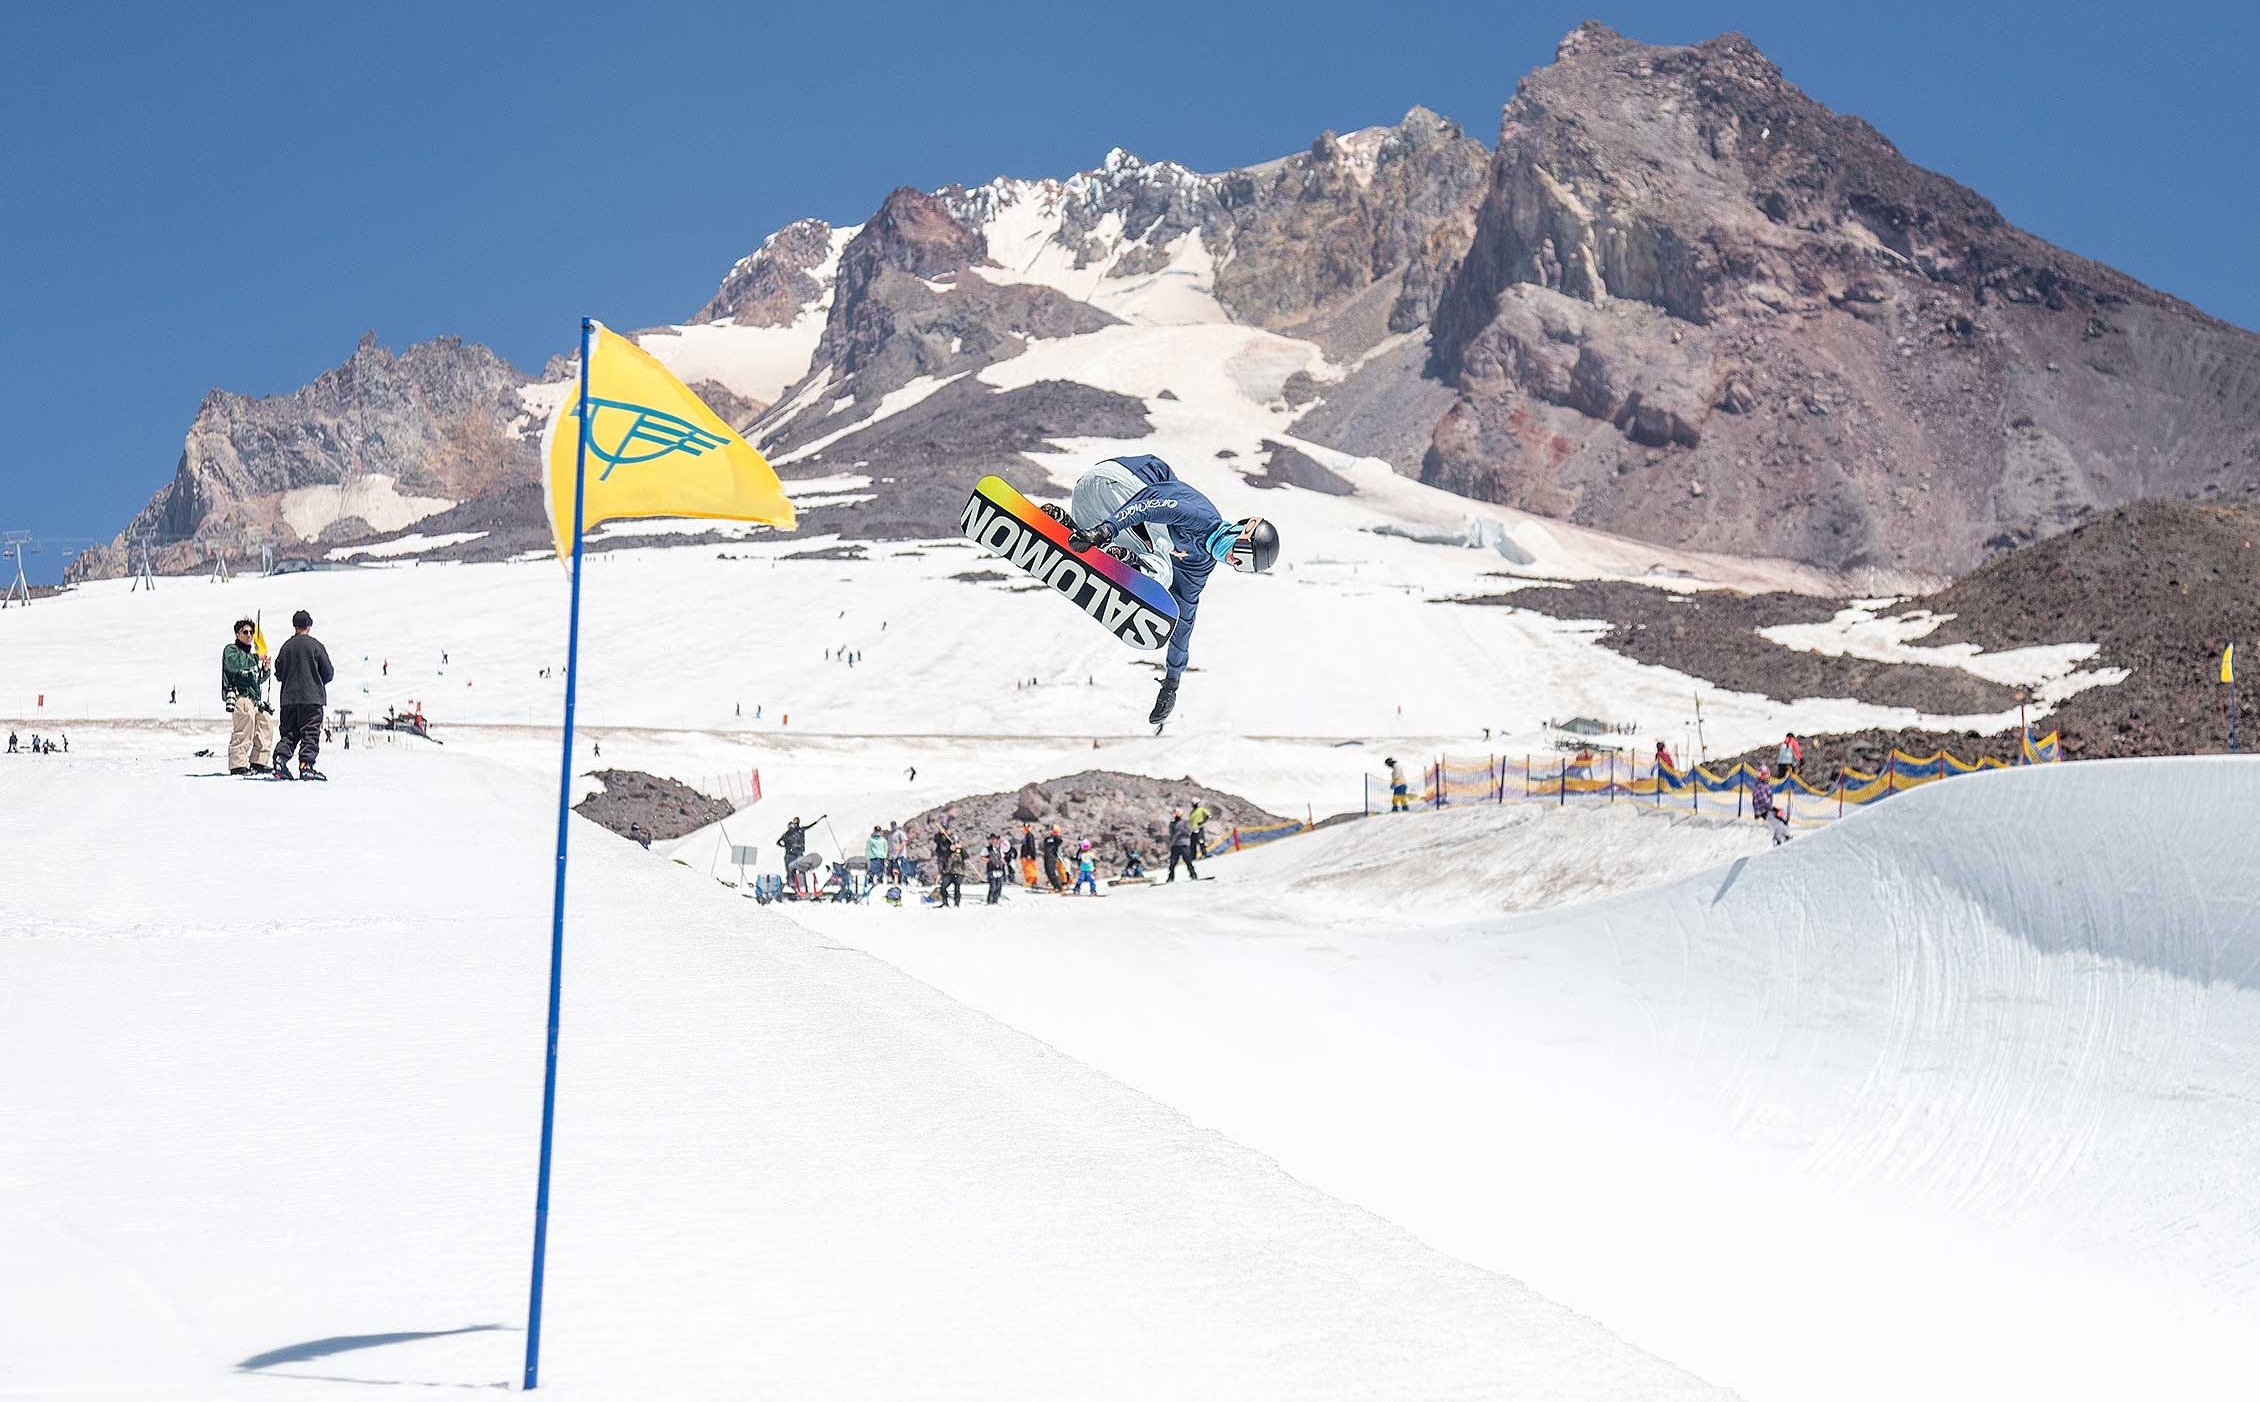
396	436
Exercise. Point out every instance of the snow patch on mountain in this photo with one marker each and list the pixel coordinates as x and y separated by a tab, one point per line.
375	499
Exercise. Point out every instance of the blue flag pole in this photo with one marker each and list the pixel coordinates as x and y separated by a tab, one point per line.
557	906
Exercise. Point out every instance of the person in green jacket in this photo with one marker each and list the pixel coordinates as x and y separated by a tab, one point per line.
1199	819
243	675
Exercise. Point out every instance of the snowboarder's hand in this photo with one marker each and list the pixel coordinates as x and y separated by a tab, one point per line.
1080	541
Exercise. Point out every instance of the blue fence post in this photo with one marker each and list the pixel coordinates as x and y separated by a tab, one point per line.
1562	801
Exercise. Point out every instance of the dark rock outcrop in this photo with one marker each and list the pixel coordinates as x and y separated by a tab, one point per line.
913	236
663	807
774	284
1114	810
1703	309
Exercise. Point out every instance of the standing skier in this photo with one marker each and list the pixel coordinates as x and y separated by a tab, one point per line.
1399	799
1763	807
1053	841
1086	869
243	673
1180	845
1028	856
897	843
874	857
993	867
1138	511
951	853
303	667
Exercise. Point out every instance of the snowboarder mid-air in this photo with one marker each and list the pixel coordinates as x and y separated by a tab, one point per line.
1136	510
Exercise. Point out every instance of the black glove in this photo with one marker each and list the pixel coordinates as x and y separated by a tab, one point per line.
1081	540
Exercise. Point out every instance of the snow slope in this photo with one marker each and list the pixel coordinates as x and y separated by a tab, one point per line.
271	1105
1950	1100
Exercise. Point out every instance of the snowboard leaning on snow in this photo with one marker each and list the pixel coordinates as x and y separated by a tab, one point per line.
1127	603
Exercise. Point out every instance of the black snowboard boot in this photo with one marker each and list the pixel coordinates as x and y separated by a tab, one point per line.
1165	702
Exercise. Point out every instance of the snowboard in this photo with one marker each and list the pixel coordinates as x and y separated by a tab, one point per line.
1117	595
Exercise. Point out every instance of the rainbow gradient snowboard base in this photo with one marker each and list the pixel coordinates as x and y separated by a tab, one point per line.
1124	601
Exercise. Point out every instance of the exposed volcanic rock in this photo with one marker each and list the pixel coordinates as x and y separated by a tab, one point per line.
774	284
1714	635
397	436
1306	233
933	453
2162	587
1285	465
913	236
663	807
1114	810
2159	587
1688	274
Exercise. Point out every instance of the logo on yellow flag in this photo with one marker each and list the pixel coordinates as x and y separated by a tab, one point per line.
654	449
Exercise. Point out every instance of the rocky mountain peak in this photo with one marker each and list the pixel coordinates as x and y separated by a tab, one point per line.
1687	274
775	283
913	232
913	235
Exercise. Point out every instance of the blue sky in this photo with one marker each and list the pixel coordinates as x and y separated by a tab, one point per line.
230	197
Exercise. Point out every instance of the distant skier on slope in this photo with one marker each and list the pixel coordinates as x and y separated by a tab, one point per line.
1138	511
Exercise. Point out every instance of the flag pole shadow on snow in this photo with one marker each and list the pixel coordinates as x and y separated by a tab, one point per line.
349	1343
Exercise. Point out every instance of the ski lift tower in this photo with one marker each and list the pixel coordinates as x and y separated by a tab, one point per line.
12	546
143	576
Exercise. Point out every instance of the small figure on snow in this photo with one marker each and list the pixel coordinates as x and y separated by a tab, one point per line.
1086	869
993	865
1028	855
952	855
875	856
1791	756
1180	845
1762	806
1053	841
1400	800
1138	511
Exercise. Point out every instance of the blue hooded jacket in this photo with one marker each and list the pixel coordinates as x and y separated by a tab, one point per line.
1191	519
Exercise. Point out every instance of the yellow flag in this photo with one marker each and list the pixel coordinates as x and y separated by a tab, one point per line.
654	450
2228	663
259	637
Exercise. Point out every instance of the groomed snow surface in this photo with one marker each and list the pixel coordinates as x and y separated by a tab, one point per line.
271	1101
1949	1100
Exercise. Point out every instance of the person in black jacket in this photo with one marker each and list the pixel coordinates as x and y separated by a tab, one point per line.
795	842
994	864
1180	844
303	667
1052	843
943	840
